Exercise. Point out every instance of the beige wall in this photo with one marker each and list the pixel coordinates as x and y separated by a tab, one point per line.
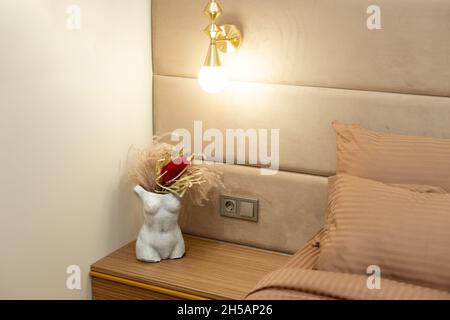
71	104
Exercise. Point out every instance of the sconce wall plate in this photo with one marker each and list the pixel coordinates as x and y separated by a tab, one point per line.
229	39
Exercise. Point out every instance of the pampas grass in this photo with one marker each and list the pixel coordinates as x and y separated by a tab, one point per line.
212	179
145	163
196	181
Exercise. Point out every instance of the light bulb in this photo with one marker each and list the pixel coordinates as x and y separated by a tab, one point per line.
213	79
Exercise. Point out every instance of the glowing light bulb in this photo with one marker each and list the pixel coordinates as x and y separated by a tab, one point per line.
213	79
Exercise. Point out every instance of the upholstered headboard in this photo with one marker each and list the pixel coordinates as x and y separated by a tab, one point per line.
303	63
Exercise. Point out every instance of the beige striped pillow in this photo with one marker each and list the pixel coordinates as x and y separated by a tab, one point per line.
392	158
405	233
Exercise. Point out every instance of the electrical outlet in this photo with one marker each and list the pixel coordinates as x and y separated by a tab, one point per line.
239	208
230	206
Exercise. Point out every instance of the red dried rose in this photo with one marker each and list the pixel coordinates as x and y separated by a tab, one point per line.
171	170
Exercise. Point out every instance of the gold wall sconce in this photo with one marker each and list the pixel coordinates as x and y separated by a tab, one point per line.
225	38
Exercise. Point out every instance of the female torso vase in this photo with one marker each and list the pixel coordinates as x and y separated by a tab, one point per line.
160	237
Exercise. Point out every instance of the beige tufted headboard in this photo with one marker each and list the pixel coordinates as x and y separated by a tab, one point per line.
303	63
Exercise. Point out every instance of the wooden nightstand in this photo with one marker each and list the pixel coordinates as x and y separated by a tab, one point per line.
209	270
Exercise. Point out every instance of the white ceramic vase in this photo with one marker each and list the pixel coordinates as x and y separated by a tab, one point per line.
160	237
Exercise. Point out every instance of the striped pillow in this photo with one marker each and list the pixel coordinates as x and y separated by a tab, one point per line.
392	158
405	233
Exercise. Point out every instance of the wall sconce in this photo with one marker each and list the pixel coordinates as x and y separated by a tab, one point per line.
226	38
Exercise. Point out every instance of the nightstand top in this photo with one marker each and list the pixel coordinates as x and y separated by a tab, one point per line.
209	269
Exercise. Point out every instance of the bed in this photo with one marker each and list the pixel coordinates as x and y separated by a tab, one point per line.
297	280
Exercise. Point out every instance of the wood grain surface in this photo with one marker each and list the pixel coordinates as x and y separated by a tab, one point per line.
209	269
110	290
